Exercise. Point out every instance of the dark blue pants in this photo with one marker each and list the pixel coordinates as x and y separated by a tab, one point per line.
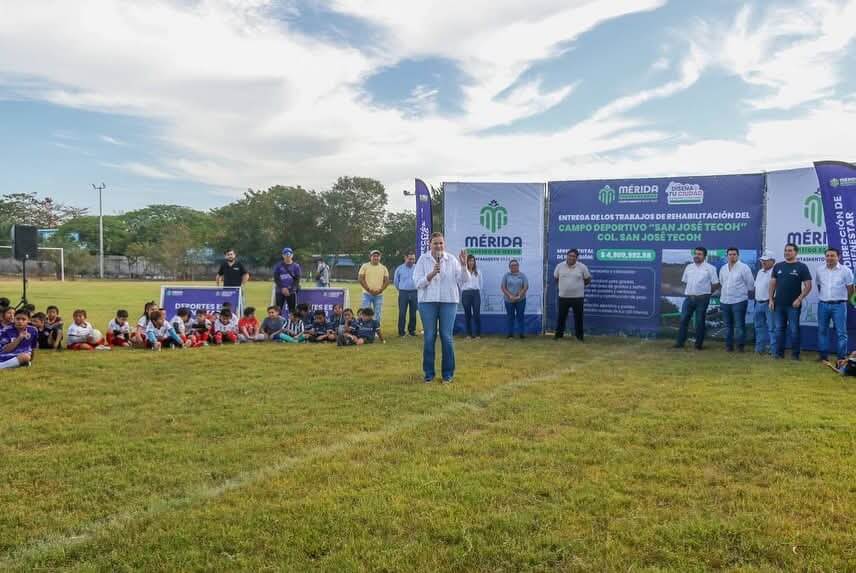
693	307
407	300
471	301
734	317
787	322
514	316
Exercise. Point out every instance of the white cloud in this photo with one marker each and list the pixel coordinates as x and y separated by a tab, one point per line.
141	169
242	100
110	140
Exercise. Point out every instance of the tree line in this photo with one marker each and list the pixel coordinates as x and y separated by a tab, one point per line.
350	218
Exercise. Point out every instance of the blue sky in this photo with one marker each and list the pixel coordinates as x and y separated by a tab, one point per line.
192	102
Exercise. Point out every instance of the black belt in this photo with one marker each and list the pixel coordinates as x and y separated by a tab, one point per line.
833	301
762	302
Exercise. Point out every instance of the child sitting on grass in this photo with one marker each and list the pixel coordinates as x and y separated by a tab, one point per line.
138	336
248	327
272	325
7	319
321	330
160	334
37	321
82	336
55	326
293	329
119	331
225	331
18	343
367	328
336	318
345	334
305	316
201	328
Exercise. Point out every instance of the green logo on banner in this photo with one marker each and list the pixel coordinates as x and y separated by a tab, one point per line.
813	210
834	183
493	216
606	195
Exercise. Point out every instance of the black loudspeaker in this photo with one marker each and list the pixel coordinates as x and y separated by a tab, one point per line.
26	241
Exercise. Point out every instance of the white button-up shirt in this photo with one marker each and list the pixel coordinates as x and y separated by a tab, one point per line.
832	283
762	285
736	283
443	287
471	281
699	279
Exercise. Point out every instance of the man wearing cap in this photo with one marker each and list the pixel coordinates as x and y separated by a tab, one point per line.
834	288
286	275
765	324
374	278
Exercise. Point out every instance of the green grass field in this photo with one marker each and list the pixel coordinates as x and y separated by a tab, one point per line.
614	455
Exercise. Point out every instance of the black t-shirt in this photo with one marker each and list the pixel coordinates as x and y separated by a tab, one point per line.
789	279
232	273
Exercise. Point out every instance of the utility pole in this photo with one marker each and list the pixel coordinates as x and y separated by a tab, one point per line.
100	188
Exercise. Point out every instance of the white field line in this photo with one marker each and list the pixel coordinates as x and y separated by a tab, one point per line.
89	532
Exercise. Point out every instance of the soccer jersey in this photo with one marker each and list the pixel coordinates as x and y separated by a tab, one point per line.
178	325
78	333
119	329
250	324
26	346
230	326
366	329
320	327
203	326
293	327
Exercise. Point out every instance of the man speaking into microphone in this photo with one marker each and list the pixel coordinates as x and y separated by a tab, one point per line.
436	275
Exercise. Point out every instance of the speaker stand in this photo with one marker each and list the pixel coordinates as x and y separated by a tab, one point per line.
24	301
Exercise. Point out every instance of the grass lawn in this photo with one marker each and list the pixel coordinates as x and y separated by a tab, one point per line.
613	455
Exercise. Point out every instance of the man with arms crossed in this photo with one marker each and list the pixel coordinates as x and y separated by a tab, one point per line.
701	280
789	285
834	287
737	282
572	278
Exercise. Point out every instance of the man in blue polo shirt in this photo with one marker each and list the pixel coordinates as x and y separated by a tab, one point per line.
789	286
407	294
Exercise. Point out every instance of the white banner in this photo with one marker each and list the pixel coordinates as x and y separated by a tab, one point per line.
498	222
795	215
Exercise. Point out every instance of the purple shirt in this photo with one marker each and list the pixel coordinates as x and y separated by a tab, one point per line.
286	276
26	346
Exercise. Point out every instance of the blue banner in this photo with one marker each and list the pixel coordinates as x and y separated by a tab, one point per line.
636	236
424	221
210	299
322	298
838	191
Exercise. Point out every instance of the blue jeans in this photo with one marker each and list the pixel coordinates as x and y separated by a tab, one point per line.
407	300
838	313
375	301
694	306
440	314
787	322
514	316
734	316
765	328
471	301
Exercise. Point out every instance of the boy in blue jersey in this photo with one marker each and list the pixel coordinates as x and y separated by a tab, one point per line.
367	328
18	342
320	330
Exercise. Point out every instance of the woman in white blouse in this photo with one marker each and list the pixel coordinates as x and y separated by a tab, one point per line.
471	288
437	275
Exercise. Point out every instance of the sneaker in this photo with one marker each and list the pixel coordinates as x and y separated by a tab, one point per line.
102	347
447	380
428	380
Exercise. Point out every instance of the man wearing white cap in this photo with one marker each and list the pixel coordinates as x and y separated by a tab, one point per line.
374	278
764	318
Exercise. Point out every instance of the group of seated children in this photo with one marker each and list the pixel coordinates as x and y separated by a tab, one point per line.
22	331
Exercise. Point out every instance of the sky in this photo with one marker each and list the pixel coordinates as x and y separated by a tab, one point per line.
191	102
